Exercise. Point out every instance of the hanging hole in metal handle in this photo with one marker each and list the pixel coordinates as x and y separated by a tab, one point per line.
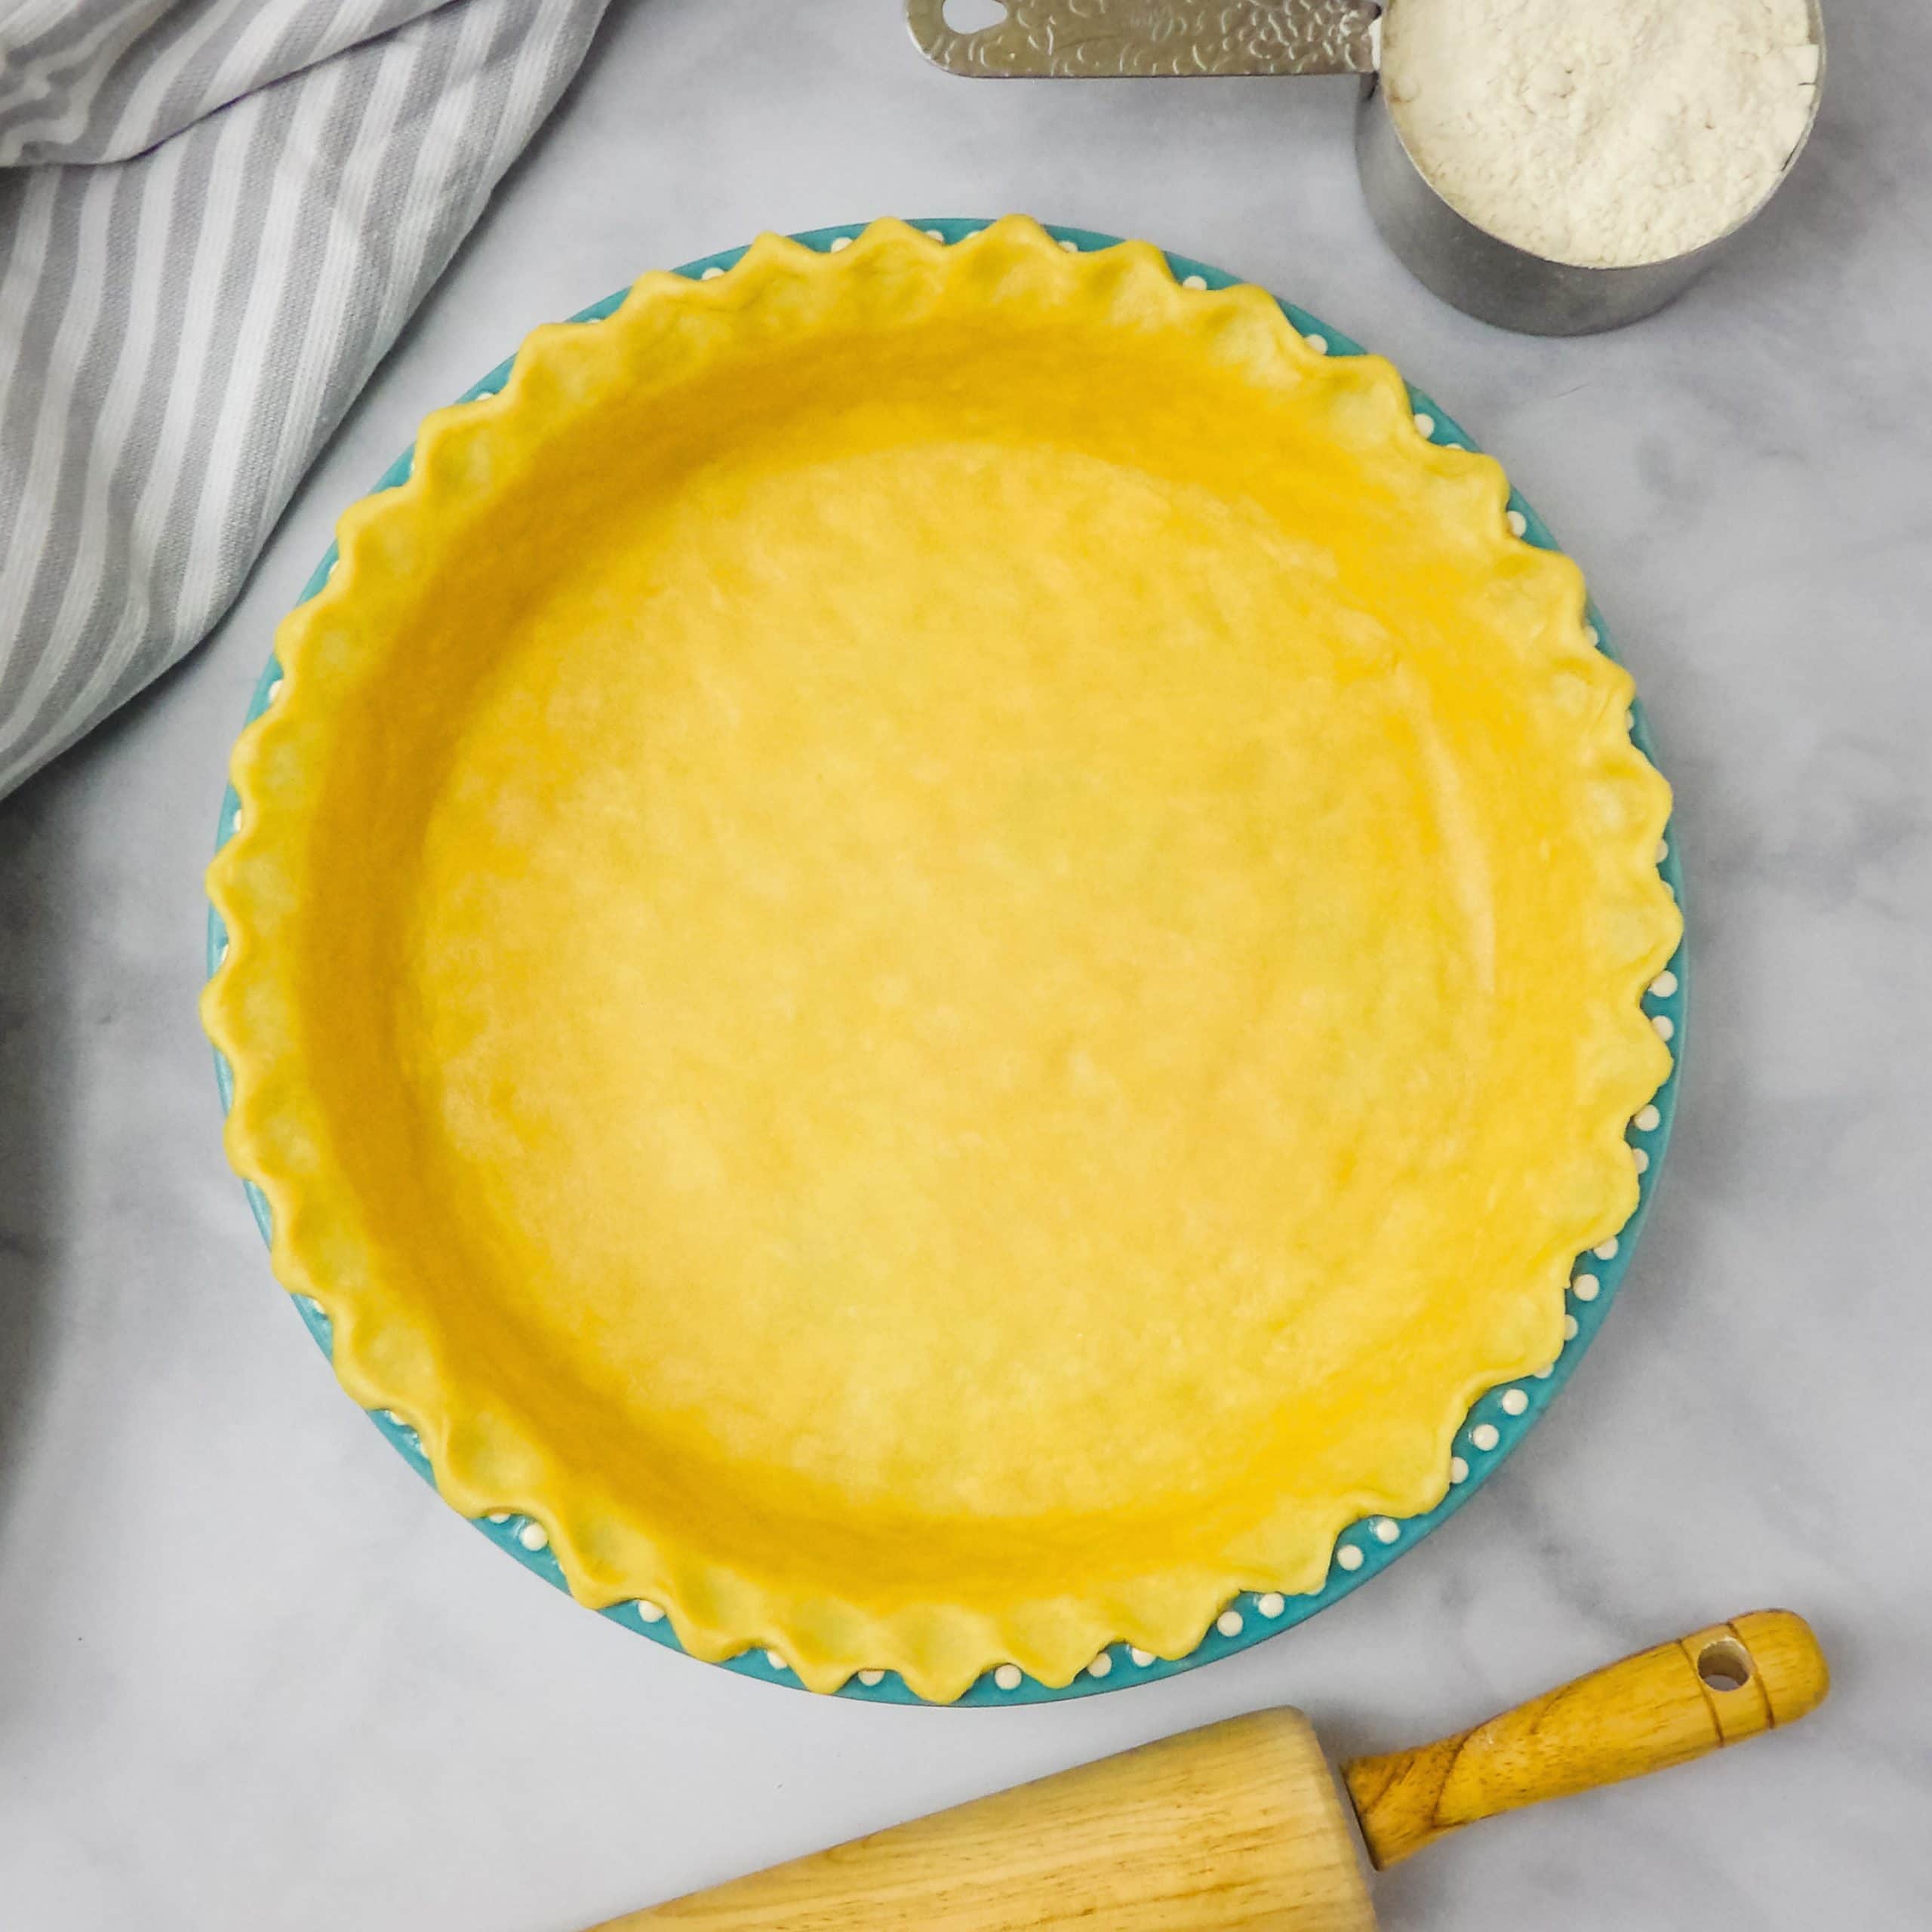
972	15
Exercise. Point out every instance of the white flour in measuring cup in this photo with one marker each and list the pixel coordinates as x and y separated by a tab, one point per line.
1601	132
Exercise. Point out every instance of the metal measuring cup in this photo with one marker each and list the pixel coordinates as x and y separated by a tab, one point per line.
1479	272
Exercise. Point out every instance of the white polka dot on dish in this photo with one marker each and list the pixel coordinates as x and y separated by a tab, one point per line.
1570	1331
1272	1604
1514	1401
1424	423
1606	1250
1101	1666
648	1612
1663	986
711	274
1194	281
1229	1623
1071	247
1007	1677
1519	524
1485	1436
1319	343
935	235
533	1536
840	242
777	1661
1666	1026
1648	1120
1141	1659
1348	1557
1585	1287
1386	1529
870	1678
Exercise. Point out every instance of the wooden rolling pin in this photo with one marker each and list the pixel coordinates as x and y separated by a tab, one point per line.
1242	1824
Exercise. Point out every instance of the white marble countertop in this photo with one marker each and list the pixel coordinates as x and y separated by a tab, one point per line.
253	1674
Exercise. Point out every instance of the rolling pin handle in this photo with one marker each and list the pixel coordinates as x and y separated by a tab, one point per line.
1663	1706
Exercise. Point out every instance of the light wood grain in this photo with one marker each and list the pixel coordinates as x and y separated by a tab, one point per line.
1240	1824
1650	1711
1236	1825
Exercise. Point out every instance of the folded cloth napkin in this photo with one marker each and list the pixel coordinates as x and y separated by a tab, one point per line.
214	216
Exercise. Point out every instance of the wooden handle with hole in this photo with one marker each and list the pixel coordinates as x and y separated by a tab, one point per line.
1663	1707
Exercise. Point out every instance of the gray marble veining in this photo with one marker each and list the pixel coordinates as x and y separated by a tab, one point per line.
253	1676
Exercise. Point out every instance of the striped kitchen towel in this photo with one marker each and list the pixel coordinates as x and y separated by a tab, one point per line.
214	216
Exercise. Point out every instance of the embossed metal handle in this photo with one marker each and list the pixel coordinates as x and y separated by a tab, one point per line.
1115	39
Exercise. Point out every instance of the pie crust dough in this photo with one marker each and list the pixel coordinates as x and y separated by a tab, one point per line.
938	947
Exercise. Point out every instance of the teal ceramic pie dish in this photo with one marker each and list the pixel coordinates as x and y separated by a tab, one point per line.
1493	1427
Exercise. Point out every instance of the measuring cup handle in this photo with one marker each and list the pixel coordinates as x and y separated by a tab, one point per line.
1122	39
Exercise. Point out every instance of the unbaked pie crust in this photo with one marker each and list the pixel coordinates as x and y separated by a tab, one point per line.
938	947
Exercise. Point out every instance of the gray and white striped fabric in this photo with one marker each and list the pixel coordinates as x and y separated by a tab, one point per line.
214	216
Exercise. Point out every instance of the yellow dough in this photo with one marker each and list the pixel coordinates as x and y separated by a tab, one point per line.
938	947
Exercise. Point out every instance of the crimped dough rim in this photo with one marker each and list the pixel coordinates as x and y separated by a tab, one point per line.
938	1647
